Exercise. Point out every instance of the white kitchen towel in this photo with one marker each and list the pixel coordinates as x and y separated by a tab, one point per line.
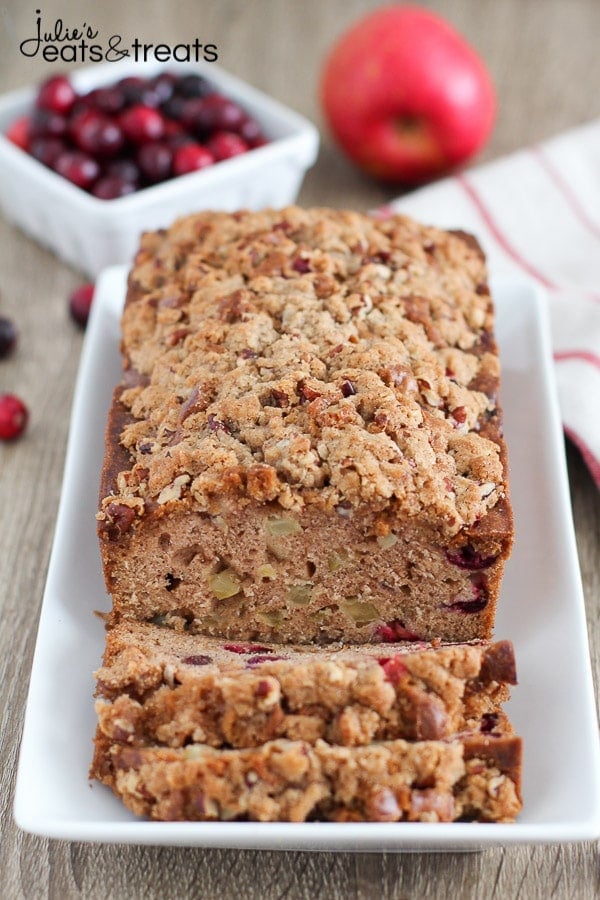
537	214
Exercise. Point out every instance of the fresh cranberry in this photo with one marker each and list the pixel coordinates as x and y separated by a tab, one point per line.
163	86
393	667
18	133
196	117
250	131
173	107
113	186
13	417
57	95
45	123
225	144
95	133
85	101
8	337
82	104
395	631
178	138
155	161
47	150
212	113
131	88
191	157
124	168
80	303
467	558
141	124
77	167
225	114
173	128
176	135
147	95
109	100
192	86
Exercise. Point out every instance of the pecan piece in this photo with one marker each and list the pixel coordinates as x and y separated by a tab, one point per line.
119	519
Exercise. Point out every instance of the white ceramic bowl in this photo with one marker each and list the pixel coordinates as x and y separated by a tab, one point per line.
90	234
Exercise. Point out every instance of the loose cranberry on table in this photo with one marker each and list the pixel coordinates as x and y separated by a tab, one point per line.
13	417
8	337
80	303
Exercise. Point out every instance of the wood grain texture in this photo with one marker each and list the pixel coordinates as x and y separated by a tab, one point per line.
544	61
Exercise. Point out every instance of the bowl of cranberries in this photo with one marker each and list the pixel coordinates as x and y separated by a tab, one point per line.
92	160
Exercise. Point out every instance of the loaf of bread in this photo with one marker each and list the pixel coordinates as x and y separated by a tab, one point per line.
307	444
304	497
472	777
159	686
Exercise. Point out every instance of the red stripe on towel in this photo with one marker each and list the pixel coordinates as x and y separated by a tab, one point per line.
566	190
588	457
499	237
578	355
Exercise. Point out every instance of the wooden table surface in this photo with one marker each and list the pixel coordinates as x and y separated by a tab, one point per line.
545	63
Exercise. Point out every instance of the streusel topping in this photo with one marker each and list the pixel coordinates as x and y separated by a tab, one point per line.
311	356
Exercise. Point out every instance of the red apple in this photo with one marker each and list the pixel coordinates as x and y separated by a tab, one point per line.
405	95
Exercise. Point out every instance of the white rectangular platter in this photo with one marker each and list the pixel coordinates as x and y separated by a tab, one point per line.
541	610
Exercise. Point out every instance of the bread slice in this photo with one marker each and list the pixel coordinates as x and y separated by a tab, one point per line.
470	777
158	685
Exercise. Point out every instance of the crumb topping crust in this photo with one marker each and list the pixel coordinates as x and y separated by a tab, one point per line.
310	357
